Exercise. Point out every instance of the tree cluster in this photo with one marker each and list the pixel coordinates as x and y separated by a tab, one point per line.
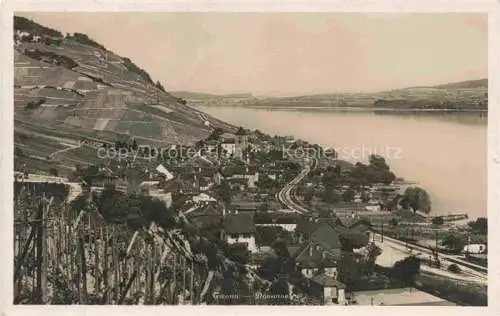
416	199
136	69
479	226
85	40
27	25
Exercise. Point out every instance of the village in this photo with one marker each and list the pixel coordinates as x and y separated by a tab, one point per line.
318	241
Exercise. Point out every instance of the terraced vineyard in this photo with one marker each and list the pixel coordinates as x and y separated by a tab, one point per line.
69	90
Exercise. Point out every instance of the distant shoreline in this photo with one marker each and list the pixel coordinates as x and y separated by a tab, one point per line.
350	109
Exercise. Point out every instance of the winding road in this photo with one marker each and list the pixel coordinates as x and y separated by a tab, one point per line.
286	195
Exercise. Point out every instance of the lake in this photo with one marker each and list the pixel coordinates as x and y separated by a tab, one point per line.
445	153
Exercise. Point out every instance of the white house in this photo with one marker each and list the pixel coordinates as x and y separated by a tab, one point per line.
166	197
161	169
373	208
229	147
240	228
203	198
474	248
331	290
251	178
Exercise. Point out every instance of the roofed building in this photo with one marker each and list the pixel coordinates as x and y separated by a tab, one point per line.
240	228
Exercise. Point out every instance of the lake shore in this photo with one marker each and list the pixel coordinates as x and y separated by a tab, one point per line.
358	109
412	144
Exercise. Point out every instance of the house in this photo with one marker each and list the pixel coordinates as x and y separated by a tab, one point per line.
328	289
204	198
361	225
245	206
306	226
227	136
162	170
228	147
206	217
187	187
319	246
239	228
474	248
206	183
313	257
251	179
287	221
211	146
241	142
166	197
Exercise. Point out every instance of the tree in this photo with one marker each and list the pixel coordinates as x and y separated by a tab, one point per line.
348	195
479	226
407	269
372	252
393	222
238	253
438	220
308	196
349	270
268	235
53	171
159	86
416	199
453	242
351	240
224	192
331	196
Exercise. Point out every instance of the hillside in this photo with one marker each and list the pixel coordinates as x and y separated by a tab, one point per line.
69	87
469	84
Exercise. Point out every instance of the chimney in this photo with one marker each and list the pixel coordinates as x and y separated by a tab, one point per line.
310	250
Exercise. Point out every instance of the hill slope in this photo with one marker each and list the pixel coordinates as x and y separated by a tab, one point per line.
466	95
469	84
66	88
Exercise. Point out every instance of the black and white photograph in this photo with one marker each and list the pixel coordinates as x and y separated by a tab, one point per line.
250	158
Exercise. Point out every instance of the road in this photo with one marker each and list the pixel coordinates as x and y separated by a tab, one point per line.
394	250
285	196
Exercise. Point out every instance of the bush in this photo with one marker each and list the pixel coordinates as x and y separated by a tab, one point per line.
53	171
438	221
35	104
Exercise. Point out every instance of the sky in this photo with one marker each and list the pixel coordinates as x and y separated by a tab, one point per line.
274	54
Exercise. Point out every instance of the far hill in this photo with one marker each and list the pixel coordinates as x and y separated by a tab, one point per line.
469	84
465	95
202	95
193	95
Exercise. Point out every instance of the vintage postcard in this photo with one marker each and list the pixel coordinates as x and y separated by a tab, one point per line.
250	158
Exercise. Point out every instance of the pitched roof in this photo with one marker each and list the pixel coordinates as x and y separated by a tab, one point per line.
327	281
308	256
207	210
239	224
328	237
310	225
293	250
